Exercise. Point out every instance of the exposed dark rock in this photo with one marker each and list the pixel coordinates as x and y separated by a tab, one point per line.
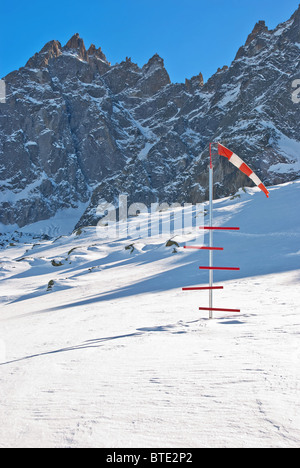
75	129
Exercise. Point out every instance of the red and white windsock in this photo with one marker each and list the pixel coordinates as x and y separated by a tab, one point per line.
239	163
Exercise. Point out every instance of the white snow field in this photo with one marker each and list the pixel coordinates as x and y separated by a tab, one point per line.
115	354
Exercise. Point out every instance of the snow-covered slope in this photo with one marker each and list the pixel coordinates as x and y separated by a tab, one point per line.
75	129
101	347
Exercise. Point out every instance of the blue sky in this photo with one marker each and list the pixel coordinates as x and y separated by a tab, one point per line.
190	35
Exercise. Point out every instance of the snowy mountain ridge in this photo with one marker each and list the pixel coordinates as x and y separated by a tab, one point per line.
75	129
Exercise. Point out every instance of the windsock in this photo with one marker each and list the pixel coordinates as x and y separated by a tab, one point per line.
239	163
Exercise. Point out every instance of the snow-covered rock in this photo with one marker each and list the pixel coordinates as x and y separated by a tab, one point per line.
76	129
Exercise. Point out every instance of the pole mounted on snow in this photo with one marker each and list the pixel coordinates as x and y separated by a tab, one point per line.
211	195
216	149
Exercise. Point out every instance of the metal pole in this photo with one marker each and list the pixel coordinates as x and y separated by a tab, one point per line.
210	236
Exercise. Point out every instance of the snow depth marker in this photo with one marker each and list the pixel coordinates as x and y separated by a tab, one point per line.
219	309
202	287
220	228
202	248
239	163
216	268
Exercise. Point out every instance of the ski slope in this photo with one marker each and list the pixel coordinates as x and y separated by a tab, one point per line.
105	350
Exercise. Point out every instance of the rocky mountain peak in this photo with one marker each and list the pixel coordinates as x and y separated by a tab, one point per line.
75	130
53	48
154	75
296	15
258	29
256	40
294	27
155	62
195	82
50	50
77	44
92	50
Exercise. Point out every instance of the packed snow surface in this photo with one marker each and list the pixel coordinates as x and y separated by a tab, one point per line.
100	347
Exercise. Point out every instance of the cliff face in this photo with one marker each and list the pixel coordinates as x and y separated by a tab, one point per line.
76	129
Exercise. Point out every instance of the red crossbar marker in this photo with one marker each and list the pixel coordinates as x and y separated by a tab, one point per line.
219	310
200	288
217	268
217	228
202	248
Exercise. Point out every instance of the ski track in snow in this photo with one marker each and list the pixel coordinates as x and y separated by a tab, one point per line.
116	355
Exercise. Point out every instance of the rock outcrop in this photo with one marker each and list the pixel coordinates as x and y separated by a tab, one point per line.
76	129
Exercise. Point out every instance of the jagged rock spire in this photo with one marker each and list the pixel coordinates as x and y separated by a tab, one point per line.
259	28
76	43
50	50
